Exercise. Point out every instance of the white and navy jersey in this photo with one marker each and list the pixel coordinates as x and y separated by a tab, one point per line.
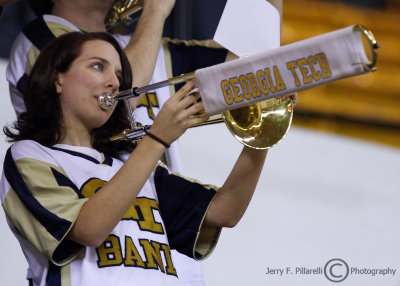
43	189
174	58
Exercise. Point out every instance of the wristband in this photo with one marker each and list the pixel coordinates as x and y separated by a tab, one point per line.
159	140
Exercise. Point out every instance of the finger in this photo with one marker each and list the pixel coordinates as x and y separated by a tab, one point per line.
196	109
188	101
284	97
184	90
194	121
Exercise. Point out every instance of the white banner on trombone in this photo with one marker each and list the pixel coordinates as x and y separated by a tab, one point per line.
280	71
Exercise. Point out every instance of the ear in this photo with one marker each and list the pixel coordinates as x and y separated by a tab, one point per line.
59	82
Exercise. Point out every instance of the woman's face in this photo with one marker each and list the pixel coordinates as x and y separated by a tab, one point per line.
96	70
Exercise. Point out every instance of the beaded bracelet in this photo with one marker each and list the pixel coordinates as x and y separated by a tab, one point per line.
159	140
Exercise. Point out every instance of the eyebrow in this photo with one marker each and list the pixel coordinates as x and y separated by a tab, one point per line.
99	58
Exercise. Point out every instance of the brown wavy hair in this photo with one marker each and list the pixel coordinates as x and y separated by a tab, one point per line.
43	117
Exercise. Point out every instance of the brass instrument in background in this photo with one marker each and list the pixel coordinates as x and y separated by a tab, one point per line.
121	13
260	125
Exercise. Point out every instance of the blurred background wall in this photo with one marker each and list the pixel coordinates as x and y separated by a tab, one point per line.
329	190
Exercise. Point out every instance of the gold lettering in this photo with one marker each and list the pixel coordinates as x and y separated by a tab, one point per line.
153	255
170	267
234	84
292	67
149	101
262	82
227	92
91	186
132	256
142	212
109	253
253	85
311	62
245	87
304	71
280	84
323	62
271	84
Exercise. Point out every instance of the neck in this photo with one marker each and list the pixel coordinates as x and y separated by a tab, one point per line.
71	139
76	136
81	14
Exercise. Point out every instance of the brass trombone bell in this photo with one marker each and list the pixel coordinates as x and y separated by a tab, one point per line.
260	125
121	12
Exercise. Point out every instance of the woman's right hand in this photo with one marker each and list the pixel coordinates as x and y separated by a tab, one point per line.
177	114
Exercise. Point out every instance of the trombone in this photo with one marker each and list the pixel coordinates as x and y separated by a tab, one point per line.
260	125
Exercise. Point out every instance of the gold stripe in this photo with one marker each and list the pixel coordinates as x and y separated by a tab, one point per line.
28	226
66	275
168	64
202	43
40	181
207	238
33	54
57	29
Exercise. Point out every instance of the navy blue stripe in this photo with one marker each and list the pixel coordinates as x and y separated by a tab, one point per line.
186	58
55	225
64	181
64	251
182	206
54	275
38	33
107	159
22	83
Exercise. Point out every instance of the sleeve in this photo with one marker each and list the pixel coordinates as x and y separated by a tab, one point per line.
25	50
41	202
183	205
188	56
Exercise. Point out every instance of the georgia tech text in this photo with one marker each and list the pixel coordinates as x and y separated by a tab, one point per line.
269	80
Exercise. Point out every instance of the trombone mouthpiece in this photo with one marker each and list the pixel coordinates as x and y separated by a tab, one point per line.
106	100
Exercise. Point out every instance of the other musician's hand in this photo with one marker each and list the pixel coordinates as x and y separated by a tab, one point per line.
159	7
293	96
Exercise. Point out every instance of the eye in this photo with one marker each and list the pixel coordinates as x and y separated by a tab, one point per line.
98	66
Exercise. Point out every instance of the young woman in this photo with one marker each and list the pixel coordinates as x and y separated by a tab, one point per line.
91	212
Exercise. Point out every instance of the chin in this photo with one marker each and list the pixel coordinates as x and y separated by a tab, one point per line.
99	121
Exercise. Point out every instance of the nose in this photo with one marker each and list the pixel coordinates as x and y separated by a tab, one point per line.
113	82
